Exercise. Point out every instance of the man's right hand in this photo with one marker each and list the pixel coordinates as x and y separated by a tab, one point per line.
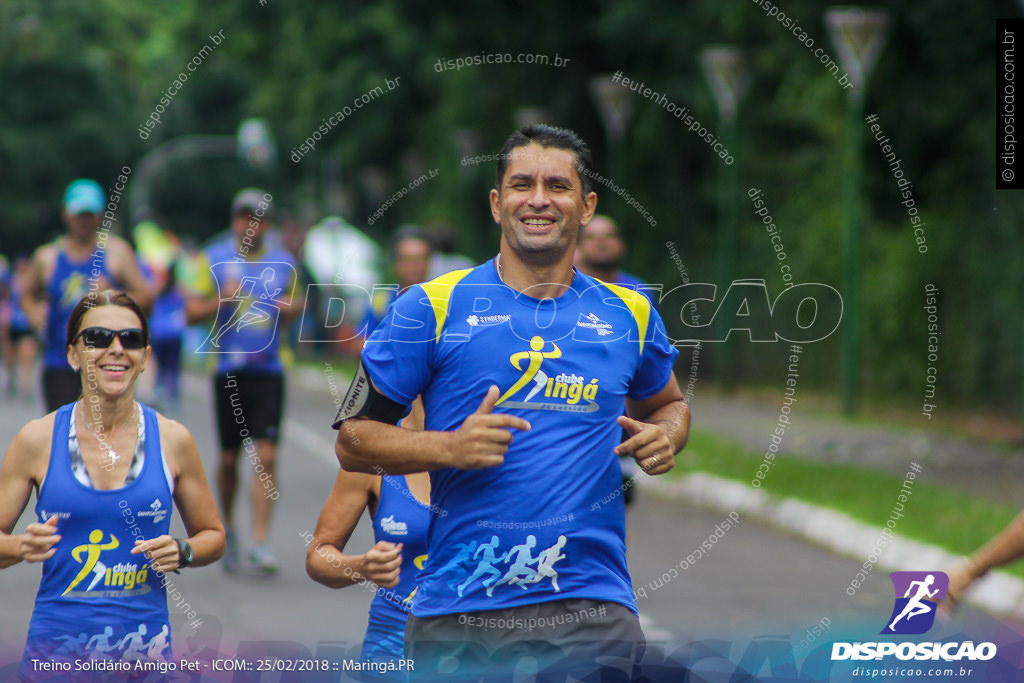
484	437
38	540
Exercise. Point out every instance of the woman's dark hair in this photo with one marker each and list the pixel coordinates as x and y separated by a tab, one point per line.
108	297
549	136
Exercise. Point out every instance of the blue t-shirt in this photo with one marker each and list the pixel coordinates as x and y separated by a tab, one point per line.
167	320
246	334
19	319
97	600
525	532
400	518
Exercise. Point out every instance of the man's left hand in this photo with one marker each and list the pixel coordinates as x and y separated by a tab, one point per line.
648	444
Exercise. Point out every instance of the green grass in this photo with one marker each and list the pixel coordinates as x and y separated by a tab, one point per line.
933	514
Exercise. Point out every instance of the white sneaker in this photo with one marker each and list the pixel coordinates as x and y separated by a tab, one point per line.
262	560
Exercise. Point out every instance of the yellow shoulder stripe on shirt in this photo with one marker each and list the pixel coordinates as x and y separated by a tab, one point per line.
639	306
439	292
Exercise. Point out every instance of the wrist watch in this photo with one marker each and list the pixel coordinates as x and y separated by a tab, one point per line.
185	555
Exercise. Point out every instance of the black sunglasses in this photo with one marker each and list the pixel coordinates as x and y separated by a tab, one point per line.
102	337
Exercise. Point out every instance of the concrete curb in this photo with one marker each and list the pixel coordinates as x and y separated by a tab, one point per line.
998	592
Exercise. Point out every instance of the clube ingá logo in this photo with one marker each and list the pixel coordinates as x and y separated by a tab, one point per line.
917	599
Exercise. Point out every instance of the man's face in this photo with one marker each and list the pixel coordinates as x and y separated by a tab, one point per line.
82	226
600	245
246	224
412	261
541	204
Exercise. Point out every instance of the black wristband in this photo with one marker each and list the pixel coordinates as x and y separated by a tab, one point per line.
185	555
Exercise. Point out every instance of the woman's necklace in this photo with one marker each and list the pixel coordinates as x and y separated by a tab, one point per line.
104	440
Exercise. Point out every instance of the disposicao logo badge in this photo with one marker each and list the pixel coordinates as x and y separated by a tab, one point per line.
917	599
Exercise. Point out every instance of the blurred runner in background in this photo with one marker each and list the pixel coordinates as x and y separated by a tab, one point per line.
600	252
293	239
6	348
162	255
86	258
410	252
445	258
248	288
24	344
345	263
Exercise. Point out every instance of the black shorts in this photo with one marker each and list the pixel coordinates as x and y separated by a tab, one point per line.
60	387
249	404
564	636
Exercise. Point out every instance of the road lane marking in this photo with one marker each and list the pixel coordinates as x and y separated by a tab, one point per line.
311	442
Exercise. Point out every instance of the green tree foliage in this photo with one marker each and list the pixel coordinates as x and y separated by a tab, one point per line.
75	93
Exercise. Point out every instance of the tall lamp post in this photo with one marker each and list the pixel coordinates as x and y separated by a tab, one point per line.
858	35
615	107
253	144
726	71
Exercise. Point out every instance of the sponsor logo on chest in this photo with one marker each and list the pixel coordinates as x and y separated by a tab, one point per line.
395	528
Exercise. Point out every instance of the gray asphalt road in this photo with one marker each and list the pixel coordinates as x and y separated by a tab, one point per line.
753	582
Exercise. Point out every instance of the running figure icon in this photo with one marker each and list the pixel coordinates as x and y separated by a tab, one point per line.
916	605
546	561
253	313
486	565
92	560
520	568
535	356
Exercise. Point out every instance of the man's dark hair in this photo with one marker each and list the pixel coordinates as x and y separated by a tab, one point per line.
549	136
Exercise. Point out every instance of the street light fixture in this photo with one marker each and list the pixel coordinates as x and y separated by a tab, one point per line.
858	35
615	107
726	71
253	144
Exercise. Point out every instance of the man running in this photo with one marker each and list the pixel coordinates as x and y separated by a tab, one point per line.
87	258
24	342
247	287
531	463
410	260
599	254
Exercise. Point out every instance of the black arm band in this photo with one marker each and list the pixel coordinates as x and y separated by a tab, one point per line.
364	401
